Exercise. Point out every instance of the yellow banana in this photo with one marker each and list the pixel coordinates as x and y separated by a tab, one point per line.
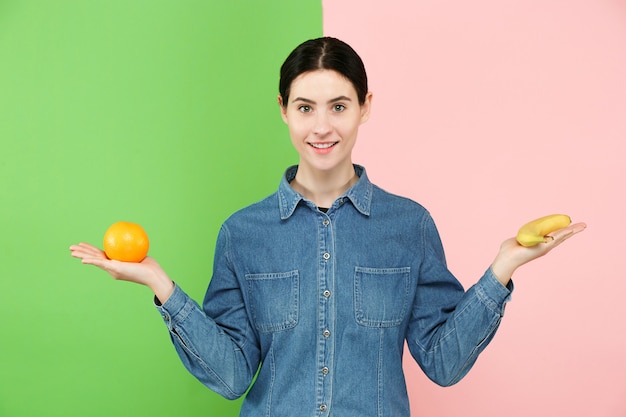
533	233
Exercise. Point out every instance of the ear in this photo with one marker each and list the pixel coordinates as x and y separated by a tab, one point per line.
283	108
366	107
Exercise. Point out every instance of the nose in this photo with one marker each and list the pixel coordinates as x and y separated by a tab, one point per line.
322	124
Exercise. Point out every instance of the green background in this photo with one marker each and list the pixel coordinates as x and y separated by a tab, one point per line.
157	112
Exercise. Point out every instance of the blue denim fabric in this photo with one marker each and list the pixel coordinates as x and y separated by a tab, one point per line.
324	302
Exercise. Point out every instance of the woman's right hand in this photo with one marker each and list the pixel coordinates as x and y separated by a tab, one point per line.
147	272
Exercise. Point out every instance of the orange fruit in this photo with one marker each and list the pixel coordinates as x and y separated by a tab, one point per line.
125	241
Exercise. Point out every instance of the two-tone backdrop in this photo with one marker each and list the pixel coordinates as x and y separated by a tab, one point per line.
490	113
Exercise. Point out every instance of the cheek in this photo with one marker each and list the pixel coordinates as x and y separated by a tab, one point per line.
297	133
350	128
298	126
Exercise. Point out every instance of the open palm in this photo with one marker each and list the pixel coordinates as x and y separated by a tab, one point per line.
147	272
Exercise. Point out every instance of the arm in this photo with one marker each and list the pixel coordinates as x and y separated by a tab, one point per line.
450	327
212	344
216	343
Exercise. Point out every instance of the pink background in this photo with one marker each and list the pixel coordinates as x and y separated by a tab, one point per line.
492	113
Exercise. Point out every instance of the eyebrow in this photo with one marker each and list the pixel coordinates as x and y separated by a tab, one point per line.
334	100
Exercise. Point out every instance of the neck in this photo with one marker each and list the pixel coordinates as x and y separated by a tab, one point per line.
324	187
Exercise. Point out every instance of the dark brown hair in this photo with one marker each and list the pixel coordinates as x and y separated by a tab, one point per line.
323	53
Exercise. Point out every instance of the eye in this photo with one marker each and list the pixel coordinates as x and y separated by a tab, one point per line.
339	108
305	109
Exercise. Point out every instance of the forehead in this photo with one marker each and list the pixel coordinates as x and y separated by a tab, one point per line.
323	84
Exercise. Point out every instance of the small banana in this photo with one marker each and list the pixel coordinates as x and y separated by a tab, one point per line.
535	232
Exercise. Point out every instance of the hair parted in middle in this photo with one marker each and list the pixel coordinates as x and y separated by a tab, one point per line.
323	53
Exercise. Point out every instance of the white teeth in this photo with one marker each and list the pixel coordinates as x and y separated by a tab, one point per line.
323	145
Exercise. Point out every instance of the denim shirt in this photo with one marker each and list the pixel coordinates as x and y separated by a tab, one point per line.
322	304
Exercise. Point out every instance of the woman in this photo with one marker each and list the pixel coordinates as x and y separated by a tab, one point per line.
319	285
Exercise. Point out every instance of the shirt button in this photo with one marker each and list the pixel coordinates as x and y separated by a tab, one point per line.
325	370
326	255
326	222
326	293
326	333
323	407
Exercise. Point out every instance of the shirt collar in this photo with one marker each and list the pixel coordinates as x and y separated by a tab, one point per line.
360	194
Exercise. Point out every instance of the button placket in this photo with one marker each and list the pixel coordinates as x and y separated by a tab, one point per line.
326	314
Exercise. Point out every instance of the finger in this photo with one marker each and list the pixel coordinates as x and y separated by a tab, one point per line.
85	250
80	253
99	262
567	232
87	260
83	246
557	237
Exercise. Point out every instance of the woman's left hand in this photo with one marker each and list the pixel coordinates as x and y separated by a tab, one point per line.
512	255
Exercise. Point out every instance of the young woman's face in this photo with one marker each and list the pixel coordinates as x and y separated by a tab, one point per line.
324	115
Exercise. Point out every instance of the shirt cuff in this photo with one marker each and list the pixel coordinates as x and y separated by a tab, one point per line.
493	293
173	306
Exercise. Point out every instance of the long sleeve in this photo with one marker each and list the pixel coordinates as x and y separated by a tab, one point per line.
450	327
316	307
213	343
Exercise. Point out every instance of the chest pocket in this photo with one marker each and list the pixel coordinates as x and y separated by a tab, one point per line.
273	300
381	296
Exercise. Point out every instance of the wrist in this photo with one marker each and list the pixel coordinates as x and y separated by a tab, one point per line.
502	271
163	288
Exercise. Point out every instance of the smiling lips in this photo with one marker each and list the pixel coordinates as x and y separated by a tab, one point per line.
322	147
